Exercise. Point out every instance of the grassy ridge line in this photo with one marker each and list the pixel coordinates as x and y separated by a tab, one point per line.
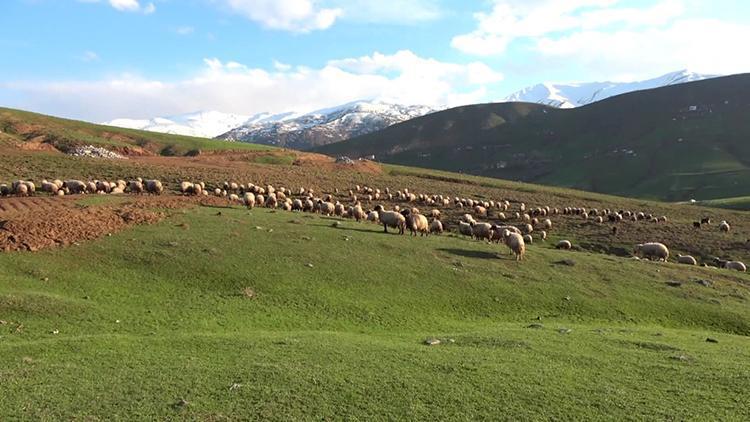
160	310
65	133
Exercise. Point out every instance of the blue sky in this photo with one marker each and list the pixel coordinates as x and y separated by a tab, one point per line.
101	59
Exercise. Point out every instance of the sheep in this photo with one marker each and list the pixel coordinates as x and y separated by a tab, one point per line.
547	224
686	259
527	238
735	265
467	218
436	226
357	213
297	205
417	223
527	228
49	187
23	188
480	211
481	231
373	216
724	227
77	186
498	231
696	224
153	187
271	201
187	188
392	219
338	209
543	235
234	197
435	214
90	187
706	220
652	250
326	208
515	243
4	190
465	228
564	244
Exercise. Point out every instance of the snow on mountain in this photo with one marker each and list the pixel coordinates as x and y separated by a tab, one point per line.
206	124
578	94
325	126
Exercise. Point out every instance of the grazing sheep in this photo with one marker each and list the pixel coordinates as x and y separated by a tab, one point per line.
482	231
696	224
49	187
249	200
467	218
547	224
4	190
153	187
436	226
543	235
326	208
271	201
357	213
435	214
297	205
564	244
498	231
724	227
735	265
652	250
706	220
480	211
373	216
76	186
392	219
417	223
515	243
528	239
465	228
338	209
686	259
527	228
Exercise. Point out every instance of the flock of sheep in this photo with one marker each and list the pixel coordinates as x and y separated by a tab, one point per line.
533	221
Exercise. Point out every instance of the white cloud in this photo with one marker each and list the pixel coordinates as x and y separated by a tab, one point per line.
289	15
630	55
513	19
127	5
184	30
402	77
89	56
389	11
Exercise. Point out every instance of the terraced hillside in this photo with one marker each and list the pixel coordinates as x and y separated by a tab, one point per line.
673	143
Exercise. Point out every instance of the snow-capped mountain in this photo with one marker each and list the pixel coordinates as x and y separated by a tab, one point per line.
207	124
572	95
327	125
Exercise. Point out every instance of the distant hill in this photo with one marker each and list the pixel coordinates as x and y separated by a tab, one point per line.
205	124
570	95
325	126
677	142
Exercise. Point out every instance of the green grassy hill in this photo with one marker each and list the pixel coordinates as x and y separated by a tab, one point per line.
673	143
41	131
278	316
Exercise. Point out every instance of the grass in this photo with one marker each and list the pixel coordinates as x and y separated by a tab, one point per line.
738	203
155	323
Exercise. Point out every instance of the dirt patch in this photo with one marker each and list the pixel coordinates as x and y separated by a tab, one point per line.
31	224
37	144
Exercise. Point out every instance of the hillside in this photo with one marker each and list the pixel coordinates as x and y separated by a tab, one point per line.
34	131
198	308
673	143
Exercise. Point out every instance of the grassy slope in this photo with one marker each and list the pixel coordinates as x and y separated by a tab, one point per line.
64	133
679	153
343	339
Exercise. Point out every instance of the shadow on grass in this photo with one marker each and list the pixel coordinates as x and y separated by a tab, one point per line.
467	253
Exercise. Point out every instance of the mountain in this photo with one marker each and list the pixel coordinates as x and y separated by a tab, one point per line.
579	94
677	142
205	124
325	126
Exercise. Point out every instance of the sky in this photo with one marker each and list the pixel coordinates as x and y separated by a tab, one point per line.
98	60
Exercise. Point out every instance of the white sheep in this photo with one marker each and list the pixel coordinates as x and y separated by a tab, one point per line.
436	226
481	231
686	259
735	265
653	250
392	219
357	213
249	200
465	228
373	216
564	244
528	239
326	208
417	223
724	227
515	243
153	187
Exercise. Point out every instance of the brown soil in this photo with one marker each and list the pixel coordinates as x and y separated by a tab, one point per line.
40	222
37	144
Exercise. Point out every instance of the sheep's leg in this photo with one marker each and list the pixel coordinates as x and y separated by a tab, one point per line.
385	228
